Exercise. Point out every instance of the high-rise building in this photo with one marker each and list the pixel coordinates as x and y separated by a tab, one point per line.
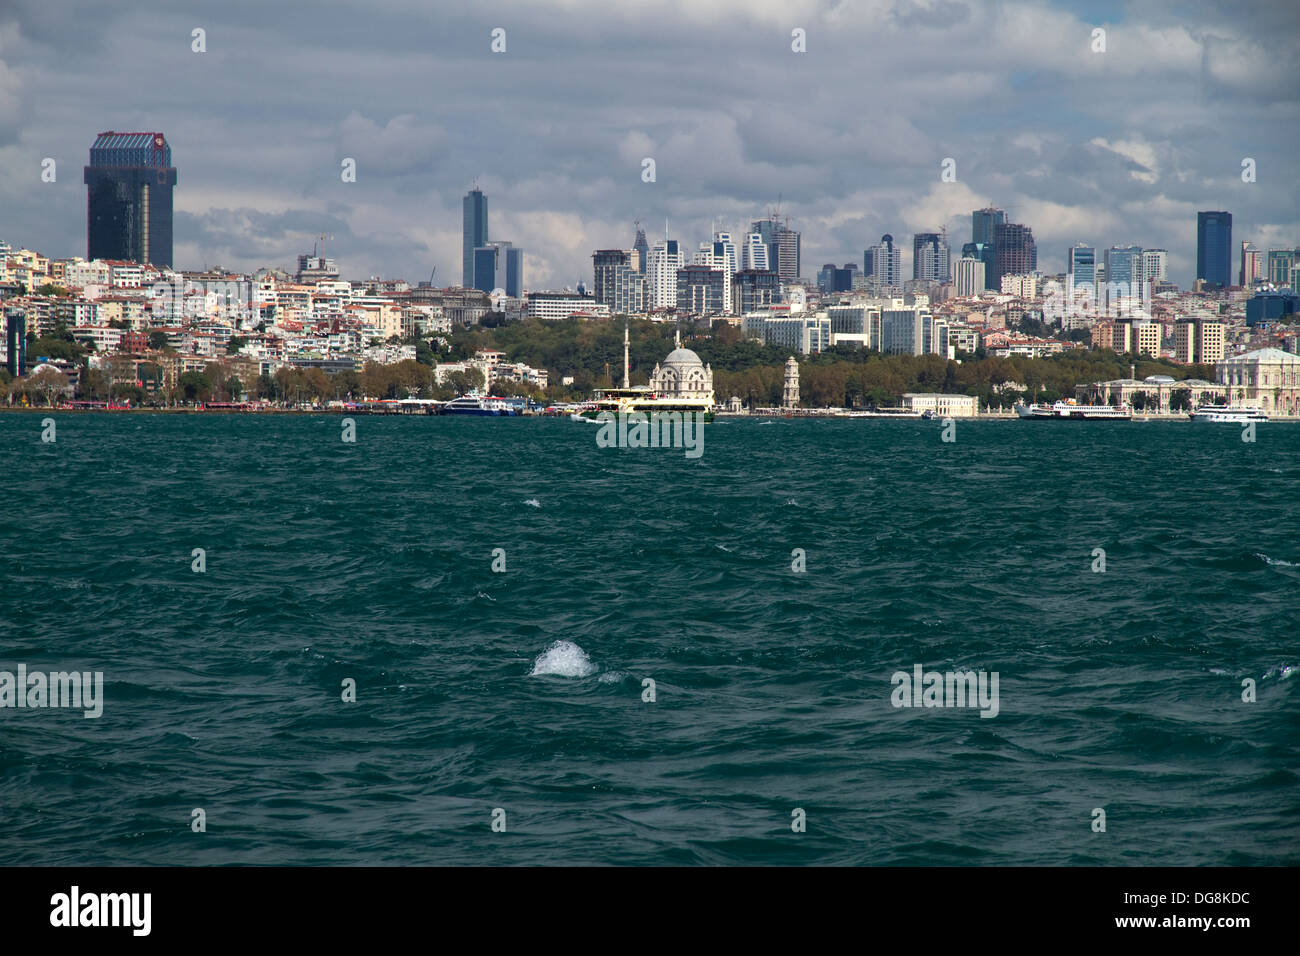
129	185
499	265
474	232
1153	266
604	263
631	291
753	253
1251	265
983	222
755	289
1081	267
969	277
787	254
642	248
985	253
1214	248
930	257
700	289
666	257
883	261
1014	250
1279	264
1123	277
783	247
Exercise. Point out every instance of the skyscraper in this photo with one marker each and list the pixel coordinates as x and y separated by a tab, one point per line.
983	222
783	247
604	264
1214	248
642	247
930	256
129	186
499	265
474	233
1014	251
666	257
1123	276
884	262
985	253
753	254
969	276
1081	267
1250	264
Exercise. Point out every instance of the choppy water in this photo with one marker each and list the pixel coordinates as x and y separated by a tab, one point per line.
372	561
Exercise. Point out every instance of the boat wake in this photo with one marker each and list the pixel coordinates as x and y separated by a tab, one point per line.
563	659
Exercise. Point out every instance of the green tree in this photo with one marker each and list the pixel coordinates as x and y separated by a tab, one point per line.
195	386
158	340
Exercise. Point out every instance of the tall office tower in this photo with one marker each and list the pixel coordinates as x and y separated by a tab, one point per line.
1250	265
1014	251
930	257
129	186
969	278
766	229
666	257
787	255
499	265
985	253
1123	276
1081	267
983	222
474	232
724	258
1153	265
884	262
1214	248
604	263
642	248
753	253
783	246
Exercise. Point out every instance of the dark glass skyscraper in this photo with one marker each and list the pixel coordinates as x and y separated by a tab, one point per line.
16	330
983	222
475	233
1214	248
129	186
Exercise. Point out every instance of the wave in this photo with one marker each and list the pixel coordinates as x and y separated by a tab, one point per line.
563	659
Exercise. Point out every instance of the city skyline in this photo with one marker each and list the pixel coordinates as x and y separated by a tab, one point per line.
1018	103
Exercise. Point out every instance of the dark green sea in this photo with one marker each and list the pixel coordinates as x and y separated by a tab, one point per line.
373	562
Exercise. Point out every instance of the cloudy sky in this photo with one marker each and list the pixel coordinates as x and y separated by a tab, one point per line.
1113	147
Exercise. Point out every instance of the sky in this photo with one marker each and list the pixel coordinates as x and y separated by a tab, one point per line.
849	137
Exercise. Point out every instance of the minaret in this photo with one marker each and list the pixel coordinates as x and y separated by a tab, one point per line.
626	383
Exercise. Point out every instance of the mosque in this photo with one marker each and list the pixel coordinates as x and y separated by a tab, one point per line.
682	376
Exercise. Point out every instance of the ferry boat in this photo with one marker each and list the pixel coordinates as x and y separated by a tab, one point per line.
1229	413
482	405
642	398
1071	410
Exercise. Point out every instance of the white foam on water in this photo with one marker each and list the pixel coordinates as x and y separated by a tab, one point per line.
533	502
563	659
1286	564
723	547
611	677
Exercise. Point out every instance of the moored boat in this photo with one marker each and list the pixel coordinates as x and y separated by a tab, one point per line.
1229	413
1071	410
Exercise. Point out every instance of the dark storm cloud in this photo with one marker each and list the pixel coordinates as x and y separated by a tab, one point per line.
1116	147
